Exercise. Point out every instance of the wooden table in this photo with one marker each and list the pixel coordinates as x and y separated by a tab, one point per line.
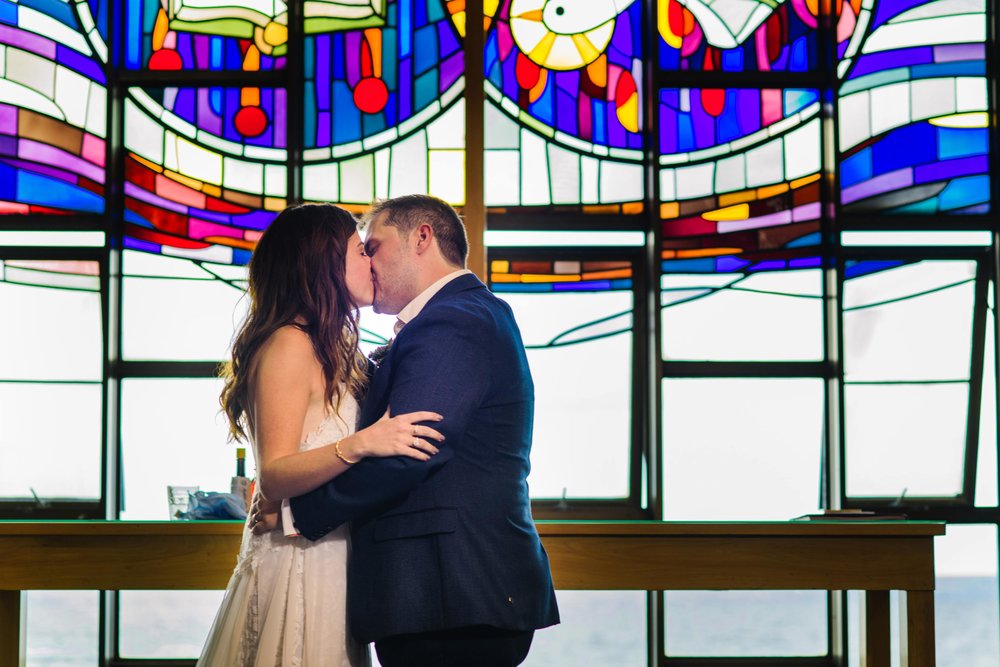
874	557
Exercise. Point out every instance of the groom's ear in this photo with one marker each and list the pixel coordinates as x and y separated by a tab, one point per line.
425	235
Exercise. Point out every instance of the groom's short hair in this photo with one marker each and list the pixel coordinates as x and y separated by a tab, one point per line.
407	212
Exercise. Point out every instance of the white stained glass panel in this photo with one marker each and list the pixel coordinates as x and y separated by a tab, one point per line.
773	316
446	175
173	433
905	439
165	624
893	319
741	449
596	628
583	413
321	182
62	628
745	623
50	333
50	440
49	239
167	317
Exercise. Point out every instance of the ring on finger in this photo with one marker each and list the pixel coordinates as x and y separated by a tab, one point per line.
415	444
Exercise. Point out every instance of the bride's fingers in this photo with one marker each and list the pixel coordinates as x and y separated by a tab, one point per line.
420	416
428	432
422	445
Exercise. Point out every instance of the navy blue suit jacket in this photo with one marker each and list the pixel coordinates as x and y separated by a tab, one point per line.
449	542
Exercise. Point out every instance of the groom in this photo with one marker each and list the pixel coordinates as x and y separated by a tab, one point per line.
446	567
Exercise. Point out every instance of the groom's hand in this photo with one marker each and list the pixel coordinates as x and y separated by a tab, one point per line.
265	515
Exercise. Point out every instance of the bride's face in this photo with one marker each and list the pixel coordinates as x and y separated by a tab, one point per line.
358	272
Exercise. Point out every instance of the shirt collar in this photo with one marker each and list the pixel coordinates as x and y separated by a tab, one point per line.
413	308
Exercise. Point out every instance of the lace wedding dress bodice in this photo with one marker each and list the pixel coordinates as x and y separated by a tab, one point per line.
286	603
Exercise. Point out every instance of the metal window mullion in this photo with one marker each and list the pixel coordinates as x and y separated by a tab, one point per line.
976	369
294	82
832	455
112	293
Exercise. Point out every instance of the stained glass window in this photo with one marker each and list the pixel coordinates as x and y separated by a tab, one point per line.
53	319
383	107
206	34
575	317
721	35
913	110
757	143
761	316
739	178
203	180
53	108
564	105
179	309
906	410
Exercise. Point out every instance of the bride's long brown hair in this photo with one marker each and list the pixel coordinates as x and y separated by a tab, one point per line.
297	278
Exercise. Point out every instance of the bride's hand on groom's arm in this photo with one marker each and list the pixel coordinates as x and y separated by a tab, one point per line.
396	436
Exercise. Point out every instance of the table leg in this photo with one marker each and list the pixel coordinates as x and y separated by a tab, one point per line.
11	629
916	628
875	629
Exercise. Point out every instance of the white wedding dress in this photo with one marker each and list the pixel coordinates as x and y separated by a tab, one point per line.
286	603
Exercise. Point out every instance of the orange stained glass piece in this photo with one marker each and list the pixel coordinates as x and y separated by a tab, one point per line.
160	29
670	210
548	278
374	37
505	277
607	275
599	209
598	71
805	180
699	252
772	190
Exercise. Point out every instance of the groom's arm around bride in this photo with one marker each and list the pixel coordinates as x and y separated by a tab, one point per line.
447	567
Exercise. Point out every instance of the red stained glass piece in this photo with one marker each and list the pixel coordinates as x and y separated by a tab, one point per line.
371	95
527	72
675	18
776	36
250	121
625	89
166	59
713	100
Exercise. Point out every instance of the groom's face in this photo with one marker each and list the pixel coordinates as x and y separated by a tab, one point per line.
393	266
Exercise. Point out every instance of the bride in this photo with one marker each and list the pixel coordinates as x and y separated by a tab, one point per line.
292	388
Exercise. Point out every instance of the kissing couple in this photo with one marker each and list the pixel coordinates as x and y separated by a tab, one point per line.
391	503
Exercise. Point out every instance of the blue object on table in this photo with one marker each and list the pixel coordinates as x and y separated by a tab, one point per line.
213	505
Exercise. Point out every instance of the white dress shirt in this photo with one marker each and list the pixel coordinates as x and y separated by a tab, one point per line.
409	311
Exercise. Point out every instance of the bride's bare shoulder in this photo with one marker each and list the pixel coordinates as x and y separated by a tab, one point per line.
288	349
